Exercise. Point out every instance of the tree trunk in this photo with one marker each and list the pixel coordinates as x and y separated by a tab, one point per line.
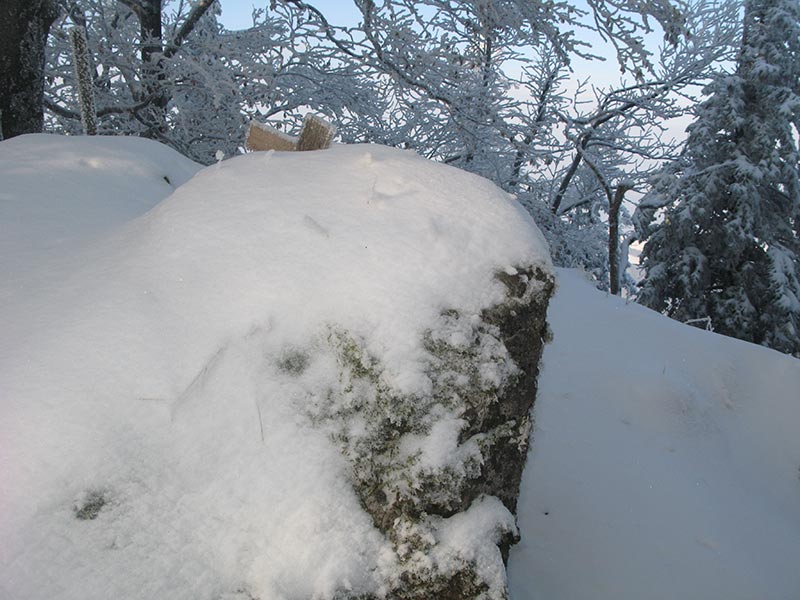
614	275
24	26
152	50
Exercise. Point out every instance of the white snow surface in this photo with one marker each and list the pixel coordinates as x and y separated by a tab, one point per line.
141	353
139	361
57	192
665	461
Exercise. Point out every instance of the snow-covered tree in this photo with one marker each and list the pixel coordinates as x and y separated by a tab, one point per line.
615	140
286	66
478	83
193	85
728	247
445	71
134	55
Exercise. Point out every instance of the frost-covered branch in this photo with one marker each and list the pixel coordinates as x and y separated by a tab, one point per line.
647	102
83	75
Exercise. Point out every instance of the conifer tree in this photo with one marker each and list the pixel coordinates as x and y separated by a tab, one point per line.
728	248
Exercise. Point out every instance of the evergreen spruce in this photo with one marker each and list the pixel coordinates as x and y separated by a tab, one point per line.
728	247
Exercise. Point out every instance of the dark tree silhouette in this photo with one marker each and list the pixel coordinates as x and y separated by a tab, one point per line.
24	26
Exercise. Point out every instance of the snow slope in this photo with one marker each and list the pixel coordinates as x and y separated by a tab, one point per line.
140	363
665	462
57	192
162	386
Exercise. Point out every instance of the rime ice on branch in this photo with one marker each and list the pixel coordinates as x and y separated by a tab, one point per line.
83	74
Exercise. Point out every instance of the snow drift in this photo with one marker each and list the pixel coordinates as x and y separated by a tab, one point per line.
202	403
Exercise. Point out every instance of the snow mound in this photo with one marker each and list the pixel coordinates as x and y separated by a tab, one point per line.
59	191
167	390
665	461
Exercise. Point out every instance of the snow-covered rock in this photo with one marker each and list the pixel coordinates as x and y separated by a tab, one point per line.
299	376
665	461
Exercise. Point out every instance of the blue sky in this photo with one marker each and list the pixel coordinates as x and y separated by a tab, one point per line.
236	14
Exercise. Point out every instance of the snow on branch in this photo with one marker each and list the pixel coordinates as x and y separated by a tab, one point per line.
83	74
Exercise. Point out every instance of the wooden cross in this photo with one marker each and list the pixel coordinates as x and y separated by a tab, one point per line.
316	134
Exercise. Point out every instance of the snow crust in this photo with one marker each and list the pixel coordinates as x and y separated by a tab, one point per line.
665	461
155	428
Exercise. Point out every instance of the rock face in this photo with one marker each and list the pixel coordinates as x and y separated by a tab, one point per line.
439	473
